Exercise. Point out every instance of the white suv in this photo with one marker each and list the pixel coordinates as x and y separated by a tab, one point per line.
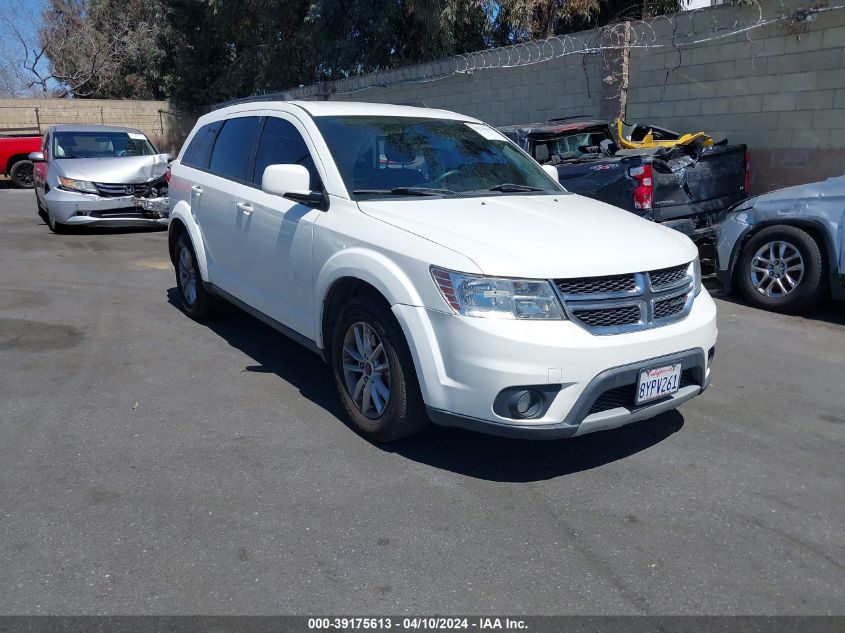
442	273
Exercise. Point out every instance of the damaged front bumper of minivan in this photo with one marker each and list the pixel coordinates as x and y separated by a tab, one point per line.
76	208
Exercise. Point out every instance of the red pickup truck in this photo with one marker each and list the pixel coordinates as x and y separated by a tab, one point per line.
14	158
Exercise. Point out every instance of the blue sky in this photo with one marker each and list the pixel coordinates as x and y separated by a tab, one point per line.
23	16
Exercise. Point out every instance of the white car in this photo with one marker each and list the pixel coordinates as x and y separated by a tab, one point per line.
442	273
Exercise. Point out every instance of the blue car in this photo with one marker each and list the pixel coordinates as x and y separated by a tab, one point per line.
784	249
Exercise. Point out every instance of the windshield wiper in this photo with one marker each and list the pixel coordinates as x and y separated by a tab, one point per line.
508	187
406	191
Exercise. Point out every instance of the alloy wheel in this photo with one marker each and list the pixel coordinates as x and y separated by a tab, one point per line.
777	269
24	176
187	275
366	369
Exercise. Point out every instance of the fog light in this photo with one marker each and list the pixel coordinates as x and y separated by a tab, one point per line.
525	403
711	355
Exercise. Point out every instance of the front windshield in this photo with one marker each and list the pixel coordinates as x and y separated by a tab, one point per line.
384	155
101	145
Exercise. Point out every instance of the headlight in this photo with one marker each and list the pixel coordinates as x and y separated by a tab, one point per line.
472	295
694	271
77	185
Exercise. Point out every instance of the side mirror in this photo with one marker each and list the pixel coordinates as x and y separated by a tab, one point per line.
292	182
36	157
551	170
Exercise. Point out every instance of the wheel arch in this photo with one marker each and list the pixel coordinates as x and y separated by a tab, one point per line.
355	272
182	223
15	158
813	228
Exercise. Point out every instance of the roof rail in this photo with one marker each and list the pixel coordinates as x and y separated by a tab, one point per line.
274	96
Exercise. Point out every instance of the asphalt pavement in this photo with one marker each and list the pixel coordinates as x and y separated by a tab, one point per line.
153	465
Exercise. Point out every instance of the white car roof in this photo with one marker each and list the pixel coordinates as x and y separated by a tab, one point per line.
342	108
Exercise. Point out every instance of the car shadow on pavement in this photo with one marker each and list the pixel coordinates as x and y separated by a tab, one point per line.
507	460
464	452
828	311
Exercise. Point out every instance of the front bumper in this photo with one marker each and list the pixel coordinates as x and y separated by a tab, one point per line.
463	363
73	208
730	235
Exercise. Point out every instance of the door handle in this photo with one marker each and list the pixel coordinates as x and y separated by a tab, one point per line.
246	207
196	189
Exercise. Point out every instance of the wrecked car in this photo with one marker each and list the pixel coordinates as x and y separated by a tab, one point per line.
684	185
97	174
784	249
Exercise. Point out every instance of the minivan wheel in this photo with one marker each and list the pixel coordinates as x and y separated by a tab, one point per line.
781	268
55	225
374	373
194	299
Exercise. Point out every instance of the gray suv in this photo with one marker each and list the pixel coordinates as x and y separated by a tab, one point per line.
784	249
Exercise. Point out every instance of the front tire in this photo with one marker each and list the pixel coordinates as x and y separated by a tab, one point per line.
781	268
194	299
374	372
21	174
55	226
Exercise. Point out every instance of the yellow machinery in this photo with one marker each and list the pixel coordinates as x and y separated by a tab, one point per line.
698	138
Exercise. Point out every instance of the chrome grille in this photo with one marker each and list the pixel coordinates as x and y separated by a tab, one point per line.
667	277
610	316
140	190
669	307
625	303
596	285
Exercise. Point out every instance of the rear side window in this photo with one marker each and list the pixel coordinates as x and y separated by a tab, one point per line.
281	143
233	150
198	152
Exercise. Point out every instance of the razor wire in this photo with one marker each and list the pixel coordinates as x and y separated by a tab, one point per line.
683	30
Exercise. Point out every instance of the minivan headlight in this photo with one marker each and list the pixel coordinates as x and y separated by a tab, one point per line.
694	271
494	297
84	186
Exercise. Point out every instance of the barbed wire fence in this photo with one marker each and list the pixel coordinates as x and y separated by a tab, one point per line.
675	32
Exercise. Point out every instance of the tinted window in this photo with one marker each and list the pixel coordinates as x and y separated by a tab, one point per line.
233	148
281	143
199	151
376	154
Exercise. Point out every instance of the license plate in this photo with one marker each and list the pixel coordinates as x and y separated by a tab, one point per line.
658	382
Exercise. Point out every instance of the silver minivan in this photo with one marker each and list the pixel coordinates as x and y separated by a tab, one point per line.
98	174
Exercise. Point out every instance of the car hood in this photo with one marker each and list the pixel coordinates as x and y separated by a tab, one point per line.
832	187
543	236
822	199
121	170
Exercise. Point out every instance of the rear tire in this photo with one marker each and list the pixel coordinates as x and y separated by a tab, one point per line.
374	372
194	299
21	174
781	268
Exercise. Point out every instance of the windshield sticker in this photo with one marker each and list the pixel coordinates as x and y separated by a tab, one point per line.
137	136
487	132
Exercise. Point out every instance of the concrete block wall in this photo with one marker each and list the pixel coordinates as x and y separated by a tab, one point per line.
781	94
556	88
166	127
